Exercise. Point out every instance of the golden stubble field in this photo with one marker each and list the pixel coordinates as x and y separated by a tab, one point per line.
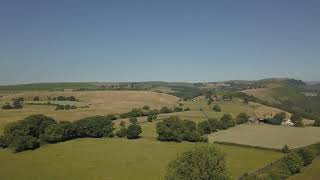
100	103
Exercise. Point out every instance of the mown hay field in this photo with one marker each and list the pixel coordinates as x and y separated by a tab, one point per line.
116	159
269	136
100	103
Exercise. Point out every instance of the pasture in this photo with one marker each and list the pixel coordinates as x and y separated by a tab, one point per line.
116	159
269	136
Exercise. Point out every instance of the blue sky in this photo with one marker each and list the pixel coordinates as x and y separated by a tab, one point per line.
169	40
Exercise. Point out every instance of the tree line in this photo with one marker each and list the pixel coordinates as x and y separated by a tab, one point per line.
34	130
175	129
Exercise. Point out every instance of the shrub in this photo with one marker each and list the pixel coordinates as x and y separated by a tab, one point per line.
297	120
59	132
154	112
150	118
203	162
170	129
214	124
316	122
293	163
134	129
73	107
227	120
178	109
187	109
146	108
7	106
285	149
22	143
111	117
216	108
307	155
204	127
59	107
97	126
242	118
122	132
190	132
165	110
67	107
3	142
36	98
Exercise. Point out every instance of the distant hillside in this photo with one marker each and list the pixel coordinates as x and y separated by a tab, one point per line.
47	86
288	94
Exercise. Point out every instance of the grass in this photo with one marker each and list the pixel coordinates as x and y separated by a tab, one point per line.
309	173
116	159
268	136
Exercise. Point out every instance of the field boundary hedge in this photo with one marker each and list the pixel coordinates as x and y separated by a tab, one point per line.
247	146
268	168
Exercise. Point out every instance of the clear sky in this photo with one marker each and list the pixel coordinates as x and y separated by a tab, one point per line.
169	40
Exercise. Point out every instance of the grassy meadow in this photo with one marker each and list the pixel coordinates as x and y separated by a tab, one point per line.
116	159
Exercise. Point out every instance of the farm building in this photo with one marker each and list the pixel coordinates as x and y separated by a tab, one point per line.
288	122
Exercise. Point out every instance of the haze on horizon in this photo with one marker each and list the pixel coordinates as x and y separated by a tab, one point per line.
192	41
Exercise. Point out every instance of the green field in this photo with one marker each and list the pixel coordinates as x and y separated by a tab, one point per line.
116	159
312	172
269	136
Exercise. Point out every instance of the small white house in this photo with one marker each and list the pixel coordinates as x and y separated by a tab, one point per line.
288	122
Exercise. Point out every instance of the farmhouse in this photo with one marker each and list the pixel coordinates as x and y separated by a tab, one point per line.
287	122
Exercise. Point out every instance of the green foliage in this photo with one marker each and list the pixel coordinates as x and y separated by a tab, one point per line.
285	149
59	107
7	106
203	162
216	108
134	129
204	127
186	109
59	132
22	143
175	129
242	118
190	132
3	142
165	110
36	98
111	117
170	129
122	132
215	124
97	126
146	108
297	120
178	109
293	162
307	155
227	120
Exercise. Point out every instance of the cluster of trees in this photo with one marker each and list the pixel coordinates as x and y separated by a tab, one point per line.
17	104
175	129
64	98
291	164
151	113
204	161
34	130
65	107
132	132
